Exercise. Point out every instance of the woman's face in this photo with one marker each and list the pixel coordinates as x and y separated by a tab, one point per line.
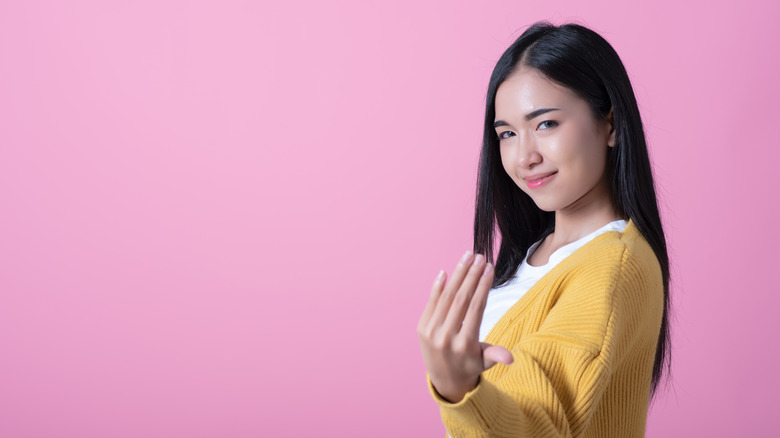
552	146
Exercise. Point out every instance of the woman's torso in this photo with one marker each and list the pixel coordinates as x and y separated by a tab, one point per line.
502	298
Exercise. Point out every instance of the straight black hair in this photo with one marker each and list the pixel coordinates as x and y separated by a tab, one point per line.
581	60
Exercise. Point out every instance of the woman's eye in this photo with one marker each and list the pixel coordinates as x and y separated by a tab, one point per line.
547	124
505	134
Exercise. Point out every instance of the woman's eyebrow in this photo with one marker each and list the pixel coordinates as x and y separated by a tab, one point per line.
533	114
530	116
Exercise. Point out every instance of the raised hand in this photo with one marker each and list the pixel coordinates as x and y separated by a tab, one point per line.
449	329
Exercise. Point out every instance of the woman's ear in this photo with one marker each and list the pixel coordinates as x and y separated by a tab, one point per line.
611	121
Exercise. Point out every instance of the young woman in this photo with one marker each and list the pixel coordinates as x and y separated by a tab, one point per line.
566	334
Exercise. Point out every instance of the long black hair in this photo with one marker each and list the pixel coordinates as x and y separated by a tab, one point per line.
581	60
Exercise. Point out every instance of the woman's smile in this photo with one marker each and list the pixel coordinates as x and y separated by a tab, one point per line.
538	180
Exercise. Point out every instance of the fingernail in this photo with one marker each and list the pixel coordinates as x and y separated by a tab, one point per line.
488	269
466	257
440	277
479	258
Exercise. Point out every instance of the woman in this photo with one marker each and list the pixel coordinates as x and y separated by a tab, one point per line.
566	334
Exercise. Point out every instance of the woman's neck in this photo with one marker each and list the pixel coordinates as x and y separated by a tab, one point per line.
586	215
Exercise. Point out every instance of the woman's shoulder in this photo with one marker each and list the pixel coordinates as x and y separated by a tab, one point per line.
617	248
618	272
616	256
615	278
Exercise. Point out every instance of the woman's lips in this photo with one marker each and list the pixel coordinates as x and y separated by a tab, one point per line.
532	184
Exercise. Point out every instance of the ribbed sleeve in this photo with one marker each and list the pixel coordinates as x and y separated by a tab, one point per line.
583	341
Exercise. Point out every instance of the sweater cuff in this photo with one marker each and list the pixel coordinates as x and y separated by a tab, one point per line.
477	409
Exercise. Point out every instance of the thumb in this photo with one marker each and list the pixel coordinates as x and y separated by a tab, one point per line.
493	354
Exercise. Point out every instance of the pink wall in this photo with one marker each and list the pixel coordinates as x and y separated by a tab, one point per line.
223	218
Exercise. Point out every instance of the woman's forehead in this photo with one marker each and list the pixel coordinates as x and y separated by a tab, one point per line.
527	89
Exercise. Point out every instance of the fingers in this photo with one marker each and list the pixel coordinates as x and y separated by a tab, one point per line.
453	356
476	308
464	296
493	354
450	289
438	286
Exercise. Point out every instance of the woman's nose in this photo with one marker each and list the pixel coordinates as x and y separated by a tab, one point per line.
527	151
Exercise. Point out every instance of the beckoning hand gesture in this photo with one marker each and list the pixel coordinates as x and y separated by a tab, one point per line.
449	329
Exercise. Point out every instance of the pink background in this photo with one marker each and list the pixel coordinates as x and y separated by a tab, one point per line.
223	218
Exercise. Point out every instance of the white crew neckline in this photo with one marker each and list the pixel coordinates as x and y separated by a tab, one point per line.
561	253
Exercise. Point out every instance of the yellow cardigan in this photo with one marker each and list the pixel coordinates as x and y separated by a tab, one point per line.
583	339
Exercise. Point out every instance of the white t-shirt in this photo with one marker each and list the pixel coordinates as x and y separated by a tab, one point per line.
502	298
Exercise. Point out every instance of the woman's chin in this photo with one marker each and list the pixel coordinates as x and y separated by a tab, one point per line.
545	207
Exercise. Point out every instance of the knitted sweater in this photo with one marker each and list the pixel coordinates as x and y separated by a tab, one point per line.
583	340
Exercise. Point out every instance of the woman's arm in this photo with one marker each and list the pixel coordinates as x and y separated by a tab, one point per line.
560	372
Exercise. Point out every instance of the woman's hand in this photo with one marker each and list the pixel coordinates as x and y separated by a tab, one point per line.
449	329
